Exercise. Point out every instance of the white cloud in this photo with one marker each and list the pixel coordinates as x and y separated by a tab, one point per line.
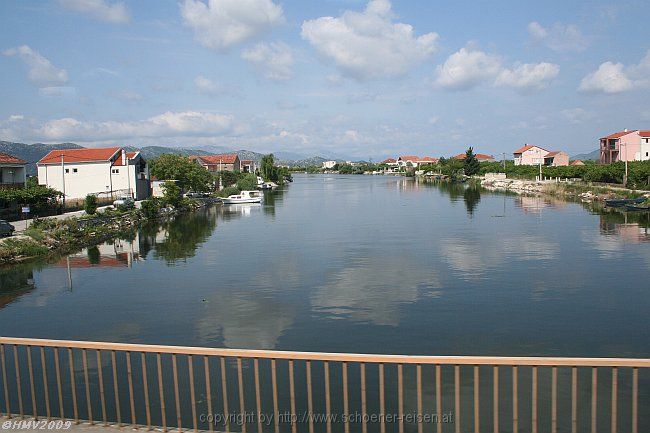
168	124
220	24
617	78
609	78
99	9
207	86
534	76
576	115
467	68
368	44
274	60
560	37
40	70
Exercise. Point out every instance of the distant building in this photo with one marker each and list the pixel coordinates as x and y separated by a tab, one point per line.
328	165
248	166
106	171
425	160
529	154
215	163
625	146
389	161
556	159
576	162
12	172
408	161
481	157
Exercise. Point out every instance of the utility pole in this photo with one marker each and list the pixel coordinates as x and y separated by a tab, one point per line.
504	161
63	179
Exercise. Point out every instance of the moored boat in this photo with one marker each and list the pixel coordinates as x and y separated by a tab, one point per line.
623	202
636	208
243	197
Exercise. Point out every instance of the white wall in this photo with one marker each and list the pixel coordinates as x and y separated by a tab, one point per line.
91	178
645	149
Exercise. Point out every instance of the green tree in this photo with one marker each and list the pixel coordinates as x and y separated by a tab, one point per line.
268	169
90	204
188	174
171	194
470	163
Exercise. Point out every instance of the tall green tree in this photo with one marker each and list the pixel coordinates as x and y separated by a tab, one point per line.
268	169
470	163
188	174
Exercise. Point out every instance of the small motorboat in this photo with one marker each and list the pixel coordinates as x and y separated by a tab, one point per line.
243	197
635	208
623	202
269	185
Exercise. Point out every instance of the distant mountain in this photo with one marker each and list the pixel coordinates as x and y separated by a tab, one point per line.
151	152
32	153
591	156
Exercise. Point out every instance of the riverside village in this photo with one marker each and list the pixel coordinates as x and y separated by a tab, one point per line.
376	216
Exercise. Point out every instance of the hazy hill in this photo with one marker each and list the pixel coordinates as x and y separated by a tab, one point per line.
32	153
591	156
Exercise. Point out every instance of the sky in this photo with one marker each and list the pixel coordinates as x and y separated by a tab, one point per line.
337	78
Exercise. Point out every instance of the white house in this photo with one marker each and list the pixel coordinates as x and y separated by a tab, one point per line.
328	165
103	172
12	172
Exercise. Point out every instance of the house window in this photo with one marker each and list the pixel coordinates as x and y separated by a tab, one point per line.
116	170
74	170
67	170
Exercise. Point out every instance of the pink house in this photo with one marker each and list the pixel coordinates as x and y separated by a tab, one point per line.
530	154
625	145
556	159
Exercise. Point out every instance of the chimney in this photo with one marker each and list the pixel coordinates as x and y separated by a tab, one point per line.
124	161
625	130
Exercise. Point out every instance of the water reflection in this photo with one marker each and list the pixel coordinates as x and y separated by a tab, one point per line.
470	193
15	281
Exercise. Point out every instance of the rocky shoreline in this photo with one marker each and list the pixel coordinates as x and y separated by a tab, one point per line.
566	189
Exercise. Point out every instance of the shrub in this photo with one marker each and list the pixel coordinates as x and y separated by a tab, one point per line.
231	190
247	183
90	204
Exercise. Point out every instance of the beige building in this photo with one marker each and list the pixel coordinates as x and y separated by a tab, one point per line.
222	162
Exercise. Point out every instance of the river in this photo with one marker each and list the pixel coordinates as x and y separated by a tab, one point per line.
368	264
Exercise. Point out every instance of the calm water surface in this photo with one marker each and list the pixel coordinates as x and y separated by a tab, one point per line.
357	264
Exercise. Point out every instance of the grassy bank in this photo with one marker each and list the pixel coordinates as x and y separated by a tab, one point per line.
48	236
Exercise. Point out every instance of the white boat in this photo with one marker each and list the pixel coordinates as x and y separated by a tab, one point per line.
269	185
243	197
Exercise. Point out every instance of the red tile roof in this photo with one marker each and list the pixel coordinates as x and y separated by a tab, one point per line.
577	162
225	158
389	161
129	155
5	158
478	156
246	161
644	133
526	147
409	158
428	159
619	134
79	155
551	154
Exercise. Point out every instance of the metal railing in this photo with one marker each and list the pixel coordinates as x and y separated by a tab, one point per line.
199	388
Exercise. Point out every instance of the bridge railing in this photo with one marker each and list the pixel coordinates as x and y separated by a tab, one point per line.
198	388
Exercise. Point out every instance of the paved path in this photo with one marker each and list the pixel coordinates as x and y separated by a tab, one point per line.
23	224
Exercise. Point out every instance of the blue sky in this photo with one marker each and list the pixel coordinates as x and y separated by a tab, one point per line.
333	77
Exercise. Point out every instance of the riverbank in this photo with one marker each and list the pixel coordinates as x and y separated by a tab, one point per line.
566	189
49	236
